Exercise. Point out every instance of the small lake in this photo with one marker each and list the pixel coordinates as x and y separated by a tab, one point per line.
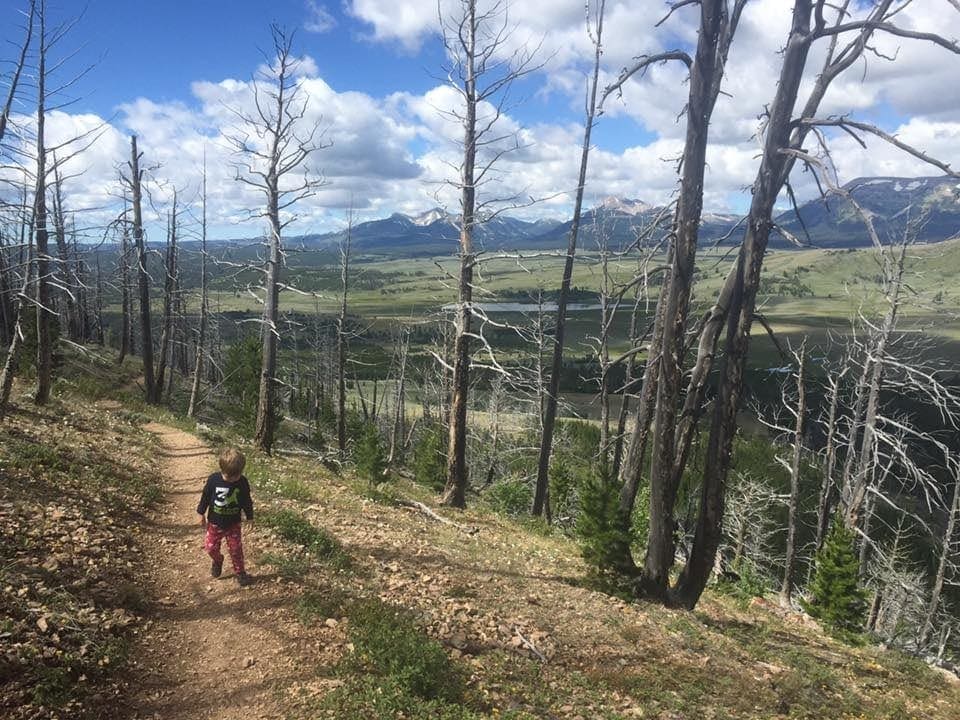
529	307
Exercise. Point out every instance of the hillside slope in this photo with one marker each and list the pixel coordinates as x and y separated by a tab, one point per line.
368	600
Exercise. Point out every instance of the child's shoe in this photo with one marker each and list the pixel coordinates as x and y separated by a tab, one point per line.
243	580
216	568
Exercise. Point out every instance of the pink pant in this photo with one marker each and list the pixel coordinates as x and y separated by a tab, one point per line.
212	540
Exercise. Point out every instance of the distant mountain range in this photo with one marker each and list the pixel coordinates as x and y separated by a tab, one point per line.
931	204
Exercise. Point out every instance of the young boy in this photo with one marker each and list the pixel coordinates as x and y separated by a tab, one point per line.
225	495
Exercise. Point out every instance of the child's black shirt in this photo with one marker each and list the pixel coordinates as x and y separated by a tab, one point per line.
225	500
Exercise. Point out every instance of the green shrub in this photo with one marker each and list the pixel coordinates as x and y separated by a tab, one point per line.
319	604
836	596
563	489
294	488
242	380
430	458
510	497
289	567
387	643
605	536
750	583
295	528
368	456
376	698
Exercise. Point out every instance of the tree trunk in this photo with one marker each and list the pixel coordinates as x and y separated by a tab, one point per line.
98	302
44	311
143	279
455	491
705	77
786	588
342	341
194	404
124	296
825	499
169	282
396	433
770	179
549	413
855	492
266	404
16	343
945	549
625	392
68	278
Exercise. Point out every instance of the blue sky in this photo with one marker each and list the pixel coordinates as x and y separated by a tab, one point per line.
165	70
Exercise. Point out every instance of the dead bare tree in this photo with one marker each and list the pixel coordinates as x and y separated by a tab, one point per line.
474	40
274	142
66	278
782	145
41	232
19	66
798	411
659	401
834	382
540	504
134	181
201	340
14	350
401	353
947	561
123	269
169	285
345	247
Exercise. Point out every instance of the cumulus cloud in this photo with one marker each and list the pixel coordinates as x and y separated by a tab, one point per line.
400	151
319	19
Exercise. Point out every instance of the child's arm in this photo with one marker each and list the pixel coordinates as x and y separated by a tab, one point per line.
204	502
246	499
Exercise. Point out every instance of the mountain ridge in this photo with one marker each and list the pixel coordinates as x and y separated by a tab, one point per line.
928	206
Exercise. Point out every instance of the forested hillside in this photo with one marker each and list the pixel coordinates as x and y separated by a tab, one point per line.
690	455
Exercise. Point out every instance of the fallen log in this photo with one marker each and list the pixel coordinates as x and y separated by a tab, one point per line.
423	509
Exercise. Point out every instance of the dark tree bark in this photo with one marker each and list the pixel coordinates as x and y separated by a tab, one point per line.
169	283
43	294
194	404
125	307
455	491
540	504
706	73
143	278
16	343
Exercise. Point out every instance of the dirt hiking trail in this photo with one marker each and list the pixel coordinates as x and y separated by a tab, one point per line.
213	649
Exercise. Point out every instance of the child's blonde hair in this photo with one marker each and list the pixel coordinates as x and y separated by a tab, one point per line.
232	461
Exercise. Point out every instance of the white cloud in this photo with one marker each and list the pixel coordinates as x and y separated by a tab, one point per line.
319	19
399	152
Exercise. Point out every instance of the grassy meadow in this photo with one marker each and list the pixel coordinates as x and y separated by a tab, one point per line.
805	292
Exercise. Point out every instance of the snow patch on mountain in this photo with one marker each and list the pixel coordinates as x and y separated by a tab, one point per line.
625	206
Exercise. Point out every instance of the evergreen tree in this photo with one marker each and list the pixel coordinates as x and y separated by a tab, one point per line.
369	457
602	534
836	597
430	458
